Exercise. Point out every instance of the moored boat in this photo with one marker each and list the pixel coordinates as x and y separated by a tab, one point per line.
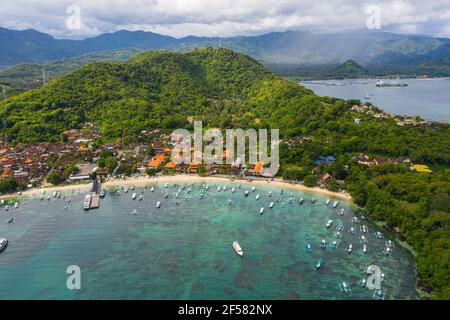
329	223
261	211
3	244
87	202
237	248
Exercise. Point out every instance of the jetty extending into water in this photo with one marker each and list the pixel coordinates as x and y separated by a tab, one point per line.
95	197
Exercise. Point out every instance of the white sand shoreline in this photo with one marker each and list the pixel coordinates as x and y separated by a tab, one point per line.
182	178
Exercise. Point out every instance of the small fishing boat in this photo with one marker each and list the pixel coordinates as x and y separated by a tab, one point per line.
233	190
125	190
158	204
238	248
87	202
246	193
225	188
333	245
3	244
328	202
335	204
342	212
319	263
313	200
329	223
323	244
230	202
363	229
141	197
261	211
166	196
133	196
363	239
365	248
271	205
388	251
257	197
42	197
202	196
270	193
132	188
379	235
219	188
301	200
378	295
134	212
152	189
166	186
102	193
16	205
290	200
352	230
118	192
350	248
55	194
308	248
362	283
253	189
345	288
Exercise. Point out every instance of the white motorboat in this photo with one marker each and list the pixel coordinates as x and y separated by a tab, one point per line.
328	202
87	202
335	204
261	211
329	223
158	204
350	247
141	197
271	205
133	196
152	189
301	200
238	248
365	248
257	197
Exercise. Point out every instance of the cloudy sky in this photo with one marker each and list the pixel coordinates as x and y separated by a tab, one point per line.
86	18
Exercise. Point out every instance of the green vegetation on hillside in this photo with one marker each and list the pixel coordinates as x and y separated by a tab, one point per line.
224	89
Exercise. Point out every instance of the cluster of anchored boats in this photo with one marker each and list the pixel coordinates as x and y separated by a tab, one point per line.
184	192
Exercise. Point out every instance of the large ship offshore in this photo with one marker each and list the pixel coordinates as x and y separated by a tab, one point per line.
381	83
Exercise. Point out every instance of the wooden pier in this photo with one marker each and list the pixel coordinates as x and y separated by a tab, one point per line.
95	198
95	201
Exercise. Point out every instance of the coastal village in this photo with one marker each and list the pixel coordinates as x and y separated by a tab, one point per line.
78	158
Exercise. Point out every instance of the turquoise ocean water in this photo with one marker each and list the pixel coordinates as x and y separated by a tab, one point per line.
184	251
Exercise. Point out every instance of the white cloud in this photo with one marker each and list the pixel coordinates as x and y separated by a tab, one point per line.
222	17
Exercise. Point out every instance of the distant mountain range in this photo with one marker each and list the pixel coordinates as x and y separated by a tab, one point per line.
377	52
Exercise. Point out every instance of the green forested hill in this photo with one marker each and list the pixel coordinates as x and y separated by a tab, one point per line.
159	89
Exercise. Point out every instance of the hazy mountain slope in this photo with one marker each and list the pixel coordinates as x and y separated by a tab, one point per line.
278	47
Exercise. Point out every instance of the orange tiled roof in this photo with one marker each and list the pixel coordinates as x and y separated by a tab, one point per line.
81	148
170	165
28	161
167	150
4	159
258	167
6	174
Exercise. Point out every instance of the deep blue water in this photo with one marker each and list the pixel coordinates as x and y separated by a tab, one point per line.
429	99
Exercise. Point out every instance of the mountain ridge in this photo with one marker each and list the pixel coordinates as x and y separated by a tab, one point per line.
366	47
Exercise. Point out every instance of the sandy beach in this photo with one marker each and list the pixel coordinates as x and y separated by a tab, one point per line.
182	178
